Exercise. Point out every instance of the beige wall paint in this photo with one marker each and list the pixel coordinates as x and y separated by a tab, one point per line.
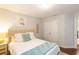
11	19
6	20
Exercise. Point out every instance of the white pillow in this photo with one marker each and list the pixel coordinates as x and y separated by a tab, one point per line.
18	37
32	35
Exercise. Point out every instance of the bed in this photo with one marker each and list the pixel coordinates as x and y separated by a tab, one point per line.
34	46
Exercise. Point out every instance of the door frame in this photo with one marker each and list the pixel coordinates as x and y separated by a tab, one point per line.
75	29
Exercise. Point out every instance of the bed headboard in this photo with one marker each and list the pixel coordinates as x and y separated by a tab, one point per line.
19	30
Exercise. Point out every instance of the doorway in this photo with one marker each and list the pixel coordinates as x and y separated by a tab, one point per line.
77	32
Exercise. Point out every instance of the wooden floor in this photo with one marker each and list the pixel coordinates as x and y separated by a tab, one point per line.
77	50
62	53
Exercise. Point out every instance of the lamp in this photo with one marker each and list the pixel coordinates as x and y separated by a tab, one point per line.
3	38
9	35
1	41
4	35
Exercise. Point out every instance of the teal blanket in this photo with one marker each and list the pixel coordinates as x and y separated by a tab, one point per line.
40	50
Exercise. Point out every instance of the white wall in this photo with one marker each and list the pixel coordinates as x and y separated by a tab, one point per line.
10	19
64	31
69	31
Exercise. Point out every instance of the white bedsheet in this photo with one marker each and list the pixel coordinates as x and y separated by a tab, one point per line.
18	48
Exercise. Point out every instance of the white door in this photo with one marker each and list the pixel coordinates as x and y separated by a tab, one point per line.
50	30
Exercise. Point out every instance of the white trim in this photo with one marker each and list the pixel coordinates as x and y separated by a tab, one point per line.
75	29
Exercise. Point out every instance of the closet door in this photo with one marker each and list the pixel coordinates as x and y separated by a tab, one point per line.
50	30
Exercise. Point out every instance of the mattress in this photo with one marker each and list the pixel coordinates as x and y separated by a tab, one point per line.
19	47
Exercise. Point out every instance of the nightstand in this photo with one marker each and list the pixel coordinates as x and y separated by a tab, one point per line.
3	49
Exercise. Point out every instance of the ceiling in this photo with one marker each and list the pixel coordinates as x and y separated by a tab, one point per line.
35	11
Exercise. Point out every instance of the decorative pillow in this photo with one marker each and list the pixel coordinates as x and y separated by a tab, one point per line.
23	37
26	37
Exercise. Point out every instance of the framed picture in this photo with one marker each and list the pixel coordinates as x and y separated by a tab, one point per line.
21	21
